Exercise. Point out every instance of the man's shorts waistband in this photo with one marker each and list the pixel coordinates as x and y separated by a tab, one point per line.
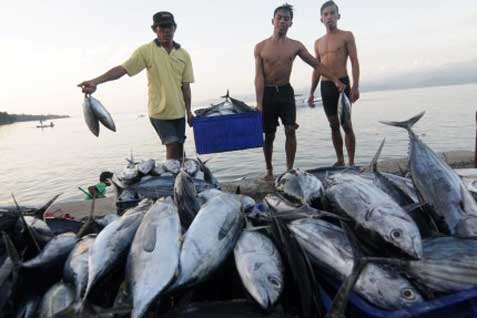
278	88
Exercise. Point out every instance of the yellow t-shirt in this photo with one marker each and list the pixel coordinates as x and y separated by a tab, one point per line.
165	73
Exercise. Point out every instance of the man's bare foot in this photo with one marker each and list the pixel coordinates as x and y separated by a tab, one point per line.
268	177
351	164
339	164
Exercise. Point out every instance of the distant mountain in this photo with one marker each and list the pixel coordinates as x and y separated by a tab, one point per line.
6	118
450	74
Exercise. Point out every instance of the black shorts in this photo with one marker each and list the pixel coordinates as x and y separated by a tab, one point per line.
278	102
330	95
169	131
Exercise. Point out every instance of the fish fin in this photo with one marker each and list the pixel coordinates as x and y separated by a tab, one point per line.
373	165
407	124
11	250
39	213
25	224
307	298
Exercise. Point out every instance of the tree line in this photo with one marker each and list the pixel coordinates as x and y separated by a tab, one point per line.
6	118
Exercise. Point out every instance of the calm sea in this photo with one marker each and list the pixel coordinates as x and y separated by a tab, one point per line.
36	164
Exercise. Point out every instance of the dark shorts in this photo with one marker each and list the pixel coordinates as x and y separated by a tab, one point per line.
330	95
278	102
170	131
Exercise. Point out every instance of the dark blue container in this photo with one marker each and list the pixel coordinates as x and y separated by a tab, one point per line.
459	305
228	132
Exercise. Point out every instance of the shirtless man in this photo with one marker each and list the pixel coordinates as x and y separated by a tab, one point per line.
333	50
275	97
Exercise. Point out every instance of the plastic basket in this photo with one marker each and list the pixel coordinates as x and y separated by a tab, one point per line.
228	132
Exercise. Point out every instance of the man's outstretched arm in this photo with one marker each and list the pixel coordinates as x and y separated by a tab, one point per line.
89	87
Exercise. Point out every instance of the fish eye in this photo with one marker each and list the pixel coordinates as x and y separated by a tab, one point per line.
408	294
274	281
396	234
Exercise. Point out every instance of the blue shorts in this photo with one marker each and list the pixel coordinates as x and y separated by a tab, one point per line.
170	131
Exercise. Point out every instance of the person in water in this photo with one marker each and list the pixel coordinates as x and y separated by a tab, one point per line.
274	58
333	50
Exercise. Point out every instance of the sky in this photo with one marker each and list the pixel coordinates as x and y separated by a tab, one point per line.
48	47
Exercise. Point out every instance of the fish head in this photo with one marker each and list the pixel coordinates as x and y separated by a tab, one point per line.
400	230
388	287
467	227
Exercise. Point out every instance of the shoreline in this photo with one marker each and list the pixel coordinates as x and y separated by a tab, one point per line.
256	187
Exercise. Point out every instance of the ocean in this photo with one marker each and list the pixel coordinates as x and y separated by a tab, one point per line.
36	164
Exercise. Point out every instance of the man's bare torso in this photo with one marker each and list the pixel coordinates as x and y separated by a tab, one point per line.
333	51
277	58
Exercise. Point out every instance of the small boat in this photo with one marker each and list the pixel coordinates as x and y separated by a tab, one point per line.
46	125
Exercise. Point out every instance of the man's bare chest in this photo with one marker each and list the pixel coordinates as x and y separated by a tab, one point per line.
332	47
277	55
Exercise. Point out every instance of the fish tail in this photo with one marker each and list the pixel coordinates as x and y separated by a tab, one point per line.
407	124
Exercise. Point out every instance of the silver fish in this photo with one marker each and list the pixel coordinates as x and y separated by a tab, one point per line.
75	271
191	166
300	186
330	248
59	297
113	243
40	229
101	113
201	254
400	189
439	186
154	256
344	110
172	165
146	167
449	264
260	267
375	211
55	252
185	197
89	117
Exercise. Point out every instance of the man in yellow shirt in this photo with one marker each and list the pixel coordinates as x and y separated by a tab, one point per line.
169	74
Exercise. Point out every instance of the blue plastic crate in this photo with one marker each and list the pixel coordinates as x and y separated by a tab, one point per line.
459	305
228	132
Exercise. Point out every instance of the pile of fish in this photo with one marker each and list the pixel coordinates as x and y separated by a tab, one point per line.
94	113
228	107
151	179
395	241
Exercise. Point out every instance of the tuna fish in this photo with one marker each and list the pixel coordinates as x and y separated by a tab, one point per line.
449	264
112	244
89	117
147	166
75	271
54	253
154	255
101	113
58	298
185	197
375	211
300	186
330	248
201	254
260	267
439	186
344	110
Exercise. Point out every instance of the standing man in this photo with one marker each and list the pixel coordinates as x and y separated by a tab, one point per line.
333	50
275	97
169	74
